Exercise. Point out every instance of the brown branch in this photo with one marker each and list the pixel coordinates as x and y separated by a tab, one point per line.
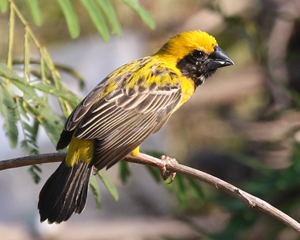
172	166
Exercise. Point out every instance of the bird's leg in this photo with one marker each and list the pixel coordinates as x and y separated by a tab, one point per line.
95	171
163	170
161	165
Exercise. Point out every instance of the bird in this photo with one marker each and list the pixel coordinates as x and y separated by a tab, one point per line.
131	103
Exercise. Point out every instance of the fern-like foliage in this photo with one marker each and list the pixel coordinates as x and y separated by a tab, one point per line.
101	12
26	85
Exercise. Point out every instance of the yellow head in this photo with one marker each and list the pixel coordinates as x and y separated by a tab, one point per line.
185	43
195	54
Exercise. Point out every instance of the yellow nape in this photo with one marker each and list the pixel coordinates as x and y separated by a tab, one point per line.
79	149
185	43
136	151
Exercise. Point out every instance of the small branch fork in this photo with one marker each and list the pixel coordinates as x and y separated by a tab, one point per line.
171	167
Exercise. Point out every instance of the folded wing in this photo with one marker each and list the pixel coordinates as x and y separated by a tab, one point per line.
123	118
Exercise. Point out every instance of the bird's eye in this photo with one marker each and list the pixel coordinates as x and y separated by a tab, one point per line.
198	54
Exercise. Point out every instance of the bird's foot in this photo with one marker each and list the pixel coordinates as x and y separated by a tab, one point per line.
163	170
162	164
95	171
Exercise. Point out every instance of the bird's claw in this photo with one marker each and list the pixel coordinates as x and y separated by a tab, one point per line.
163	170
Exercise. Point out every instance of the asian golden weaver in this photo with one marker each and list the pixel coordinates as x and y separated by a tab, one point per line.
122	111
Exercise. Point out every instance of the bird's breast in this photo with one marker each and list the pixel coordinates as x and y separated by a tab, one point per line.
187	90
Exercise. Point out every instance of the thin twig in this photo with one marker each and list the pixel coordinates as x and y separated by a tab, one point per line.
172	166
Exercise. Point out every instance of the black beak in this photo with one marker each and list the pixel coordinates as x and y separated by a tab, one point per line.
218	59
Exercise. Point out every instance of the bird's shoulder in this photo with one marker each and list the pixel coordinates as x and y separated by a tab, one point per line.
144	72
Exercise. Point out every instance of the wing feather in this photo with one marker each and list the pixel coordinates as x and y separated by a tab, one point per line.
127	127
124	117
122	142
84	107
116	123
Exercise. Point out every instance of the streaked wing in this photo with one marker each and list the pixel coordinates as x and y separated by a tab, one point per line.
123	110
125	117
78	113
120	75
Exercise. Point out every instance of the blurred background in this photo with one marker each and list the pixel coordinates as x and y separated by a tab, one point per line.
242	125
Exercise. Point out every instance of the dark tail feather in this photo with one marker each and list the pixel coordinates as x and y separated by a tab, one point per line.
64	192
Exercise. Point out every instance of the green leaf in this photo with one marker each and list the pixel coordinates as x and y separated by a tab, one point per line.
26	55
181	190
11	36
110	14
16	80
64	94
22	110
43	112
8	110
142	12
29	144
3	5
48	120
95	190
72	72
71	17
34	171
50	129
44	87
35	11
295	153
196	187
124	171
29	147
44	70
252	163
155	173
97	18
67	107
2	80
109	185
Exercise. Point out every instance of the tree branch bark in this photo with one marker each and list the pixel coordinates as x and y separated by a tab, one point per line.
171	166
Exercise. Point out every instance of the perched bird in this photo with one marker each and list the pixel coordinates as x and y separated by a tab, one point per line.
131	103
